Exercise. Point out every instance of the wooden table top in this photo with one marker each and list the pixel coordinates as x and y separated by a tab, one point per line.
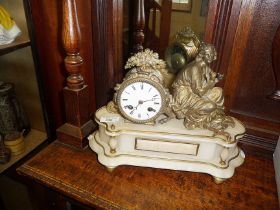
78	174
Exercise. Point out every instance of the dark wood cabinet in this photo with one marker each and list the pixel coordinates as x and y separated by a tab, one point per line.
242	31
101	49
256	79
47	23
19	67
245	35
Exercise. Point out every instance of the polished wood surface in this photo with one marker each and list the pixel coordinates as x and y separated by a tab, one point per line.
71	41
276	65
252	77
76	94
165	24
244	34
220	30
78	175
139	25
107	22
47	27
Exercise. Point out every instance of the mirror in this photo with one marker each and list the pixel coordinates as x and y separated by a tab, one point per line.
164	18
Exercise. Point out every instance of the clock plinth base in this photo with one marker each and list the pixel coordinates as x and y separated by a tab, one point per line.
166	146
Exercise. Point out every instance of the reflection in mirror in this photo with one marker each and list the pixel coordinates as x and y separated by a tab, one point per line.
192	15
164	18
127	11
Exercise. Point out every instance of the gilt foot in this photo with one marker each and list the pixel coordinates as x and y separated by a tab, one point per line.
110	169
218	180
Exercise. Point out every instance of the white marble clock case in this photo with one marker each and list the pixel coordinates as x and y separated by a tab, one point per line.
167	146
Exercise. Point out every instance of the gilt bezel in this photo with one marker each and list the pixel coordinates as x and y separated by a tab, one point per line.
158	86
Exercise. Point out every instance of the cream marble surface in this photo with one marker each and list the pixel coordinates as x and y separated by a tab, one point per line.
166	146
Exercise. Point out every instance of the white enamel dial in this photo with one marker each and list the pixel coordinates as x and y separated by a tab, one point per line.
140	101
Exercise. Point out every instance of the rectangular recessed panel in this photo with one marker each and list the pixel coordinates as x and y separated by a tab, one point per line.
166	146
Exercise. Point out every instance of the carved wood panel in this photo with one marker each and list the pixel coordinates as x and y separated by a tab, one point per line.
256	79
107	22
242	32
220	30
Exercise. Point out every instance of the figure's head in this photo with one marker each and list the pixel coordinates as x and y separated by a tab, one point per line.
207	52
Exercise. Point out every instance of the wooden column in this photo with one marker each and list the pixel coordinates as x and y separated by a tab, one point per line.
76	94
139	25
276	65
165	24
107	17
221	25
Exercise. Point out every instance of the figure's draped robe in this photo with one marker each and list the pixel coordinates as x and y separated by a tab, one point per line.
194	100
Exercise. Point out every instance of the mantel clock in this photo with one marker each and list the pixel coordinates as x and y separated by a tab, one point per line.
145	125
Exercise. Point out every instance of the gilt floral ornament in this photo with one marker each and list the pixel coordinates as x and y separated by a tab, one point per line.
145	60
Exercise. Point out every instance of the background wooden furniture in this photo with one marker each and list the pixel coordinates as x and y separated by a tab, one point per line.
76	93
152	41
84	180
243	38
19	65
244	60
164	18
139	25
234	27
101	49
47	24
245	42
275	95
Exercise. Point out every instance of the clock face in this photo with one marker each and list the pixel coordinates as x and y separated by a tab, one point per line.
140	101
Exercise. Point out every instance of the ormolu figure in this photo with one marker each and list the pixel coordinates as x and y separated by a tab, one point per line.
195	99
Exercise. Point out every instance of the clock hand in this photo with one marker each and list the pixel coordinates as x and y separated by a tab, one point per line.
139	103
150	100
135	108
150	109
128	106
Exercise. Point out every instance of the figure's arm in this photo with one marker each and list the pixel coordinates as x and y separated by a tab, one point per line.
197	82
212	79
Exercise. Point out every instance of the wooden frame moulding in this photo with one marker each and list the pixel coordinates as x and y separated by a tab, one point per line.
107	20
221	25
225	26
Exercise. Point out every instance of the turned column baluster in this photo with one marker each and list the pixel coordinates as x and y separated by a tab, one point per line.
71	42
76	94
139	25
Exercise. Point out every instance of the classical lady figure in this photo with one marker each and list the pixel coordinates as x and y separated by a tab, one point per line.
196	100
